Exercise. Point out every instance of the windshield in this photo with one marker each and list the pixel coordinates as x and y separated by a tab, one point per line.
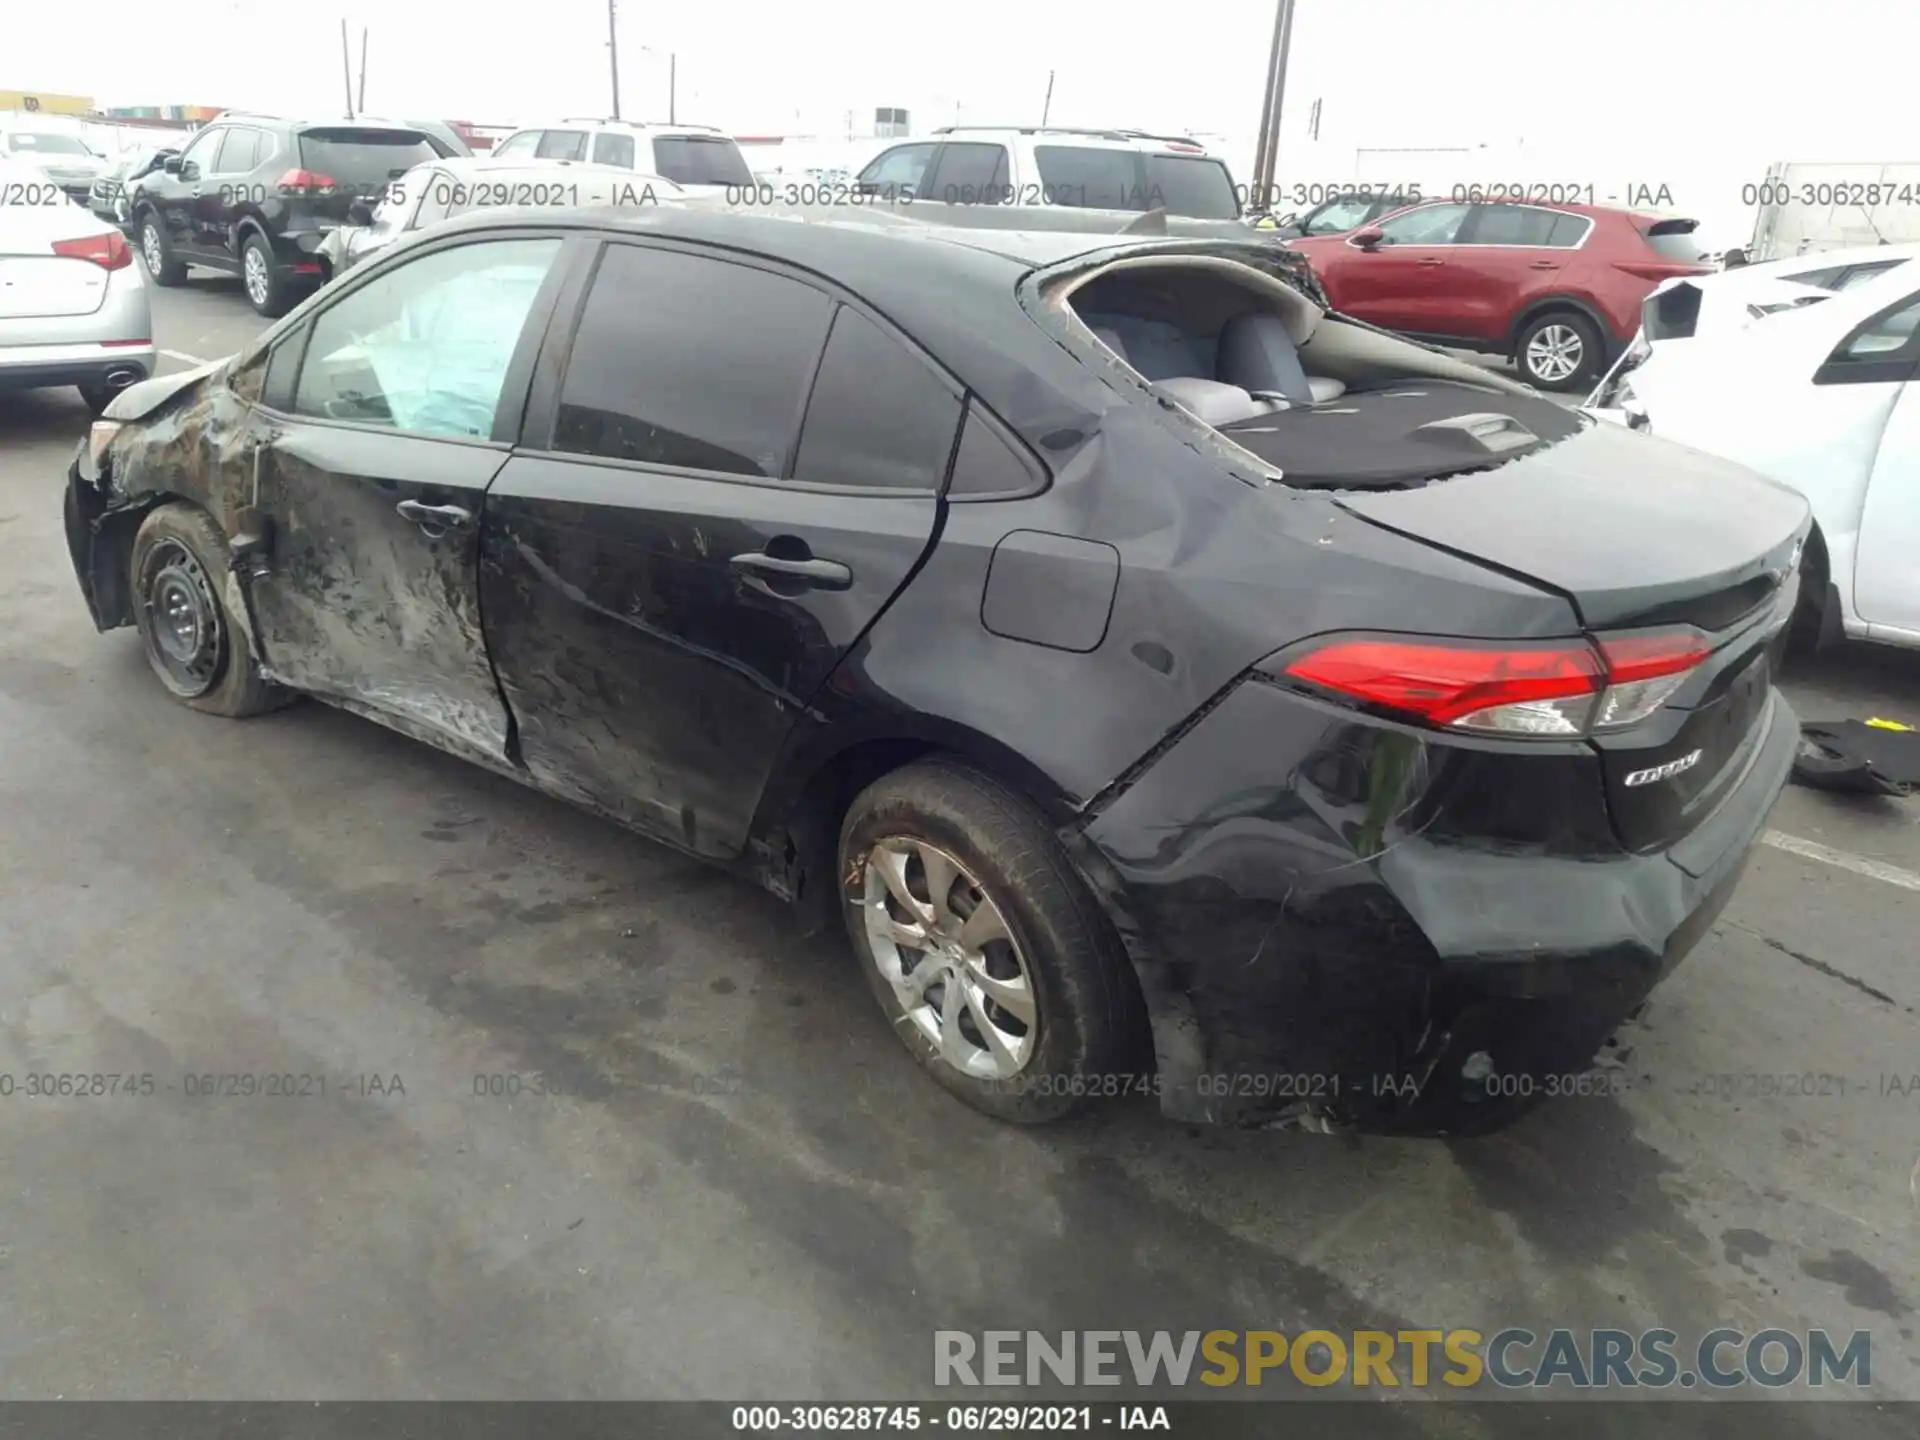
700	160
33	143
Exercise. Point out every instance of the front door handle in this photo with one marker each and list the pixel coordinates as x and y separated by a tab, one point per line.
816	574
1544	265
1428	264
434	519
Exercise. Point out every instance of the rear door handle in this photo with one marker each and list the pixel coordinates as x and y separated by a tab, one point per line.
435	519
1429	263
816	574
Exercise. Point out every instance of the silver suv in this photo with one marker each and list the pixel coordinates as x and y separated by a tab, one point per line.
1083	169
695	157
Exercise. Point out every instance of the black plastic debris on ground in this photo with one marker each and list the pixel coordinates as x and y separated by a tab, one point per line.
1867	757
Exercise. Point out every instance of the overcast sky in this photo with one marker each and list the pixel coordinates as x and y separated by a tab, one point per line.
1635	85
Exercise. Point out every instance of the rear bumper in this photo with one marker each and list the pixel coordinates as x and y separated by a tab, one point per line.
32	367
1347	959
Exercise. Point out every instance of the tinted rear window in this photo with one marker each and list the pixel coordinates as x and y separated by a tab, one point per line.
699	160
359	157
1677	245
1086	178
1193	186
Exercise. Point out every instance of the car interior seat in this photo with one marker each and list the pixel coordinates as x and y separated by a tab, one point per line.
1258	355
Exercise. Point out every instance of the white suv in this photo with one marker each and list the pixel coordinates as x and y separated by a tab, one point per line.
698	158
1084	169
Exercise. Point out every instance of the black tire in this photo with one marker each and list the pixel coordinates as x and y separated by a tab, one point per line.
269	294
1591	353
1807	632
1084	994
171	270
179	558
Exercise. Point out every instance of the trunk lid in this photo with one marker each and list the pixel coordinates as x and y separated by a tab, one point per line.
34	281
1640	533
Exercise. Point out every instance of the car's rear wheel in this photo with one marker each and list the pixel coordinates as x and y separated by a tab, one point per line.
994	964
189	635
157	251
1559	351
265	282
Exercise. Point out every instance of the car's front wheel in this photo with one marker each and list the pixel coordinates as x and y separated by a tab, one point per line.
157	251
191	642
1559	351
994	964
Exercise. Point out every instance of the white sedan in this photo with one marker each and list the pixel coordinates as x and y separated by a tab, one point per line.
1816	388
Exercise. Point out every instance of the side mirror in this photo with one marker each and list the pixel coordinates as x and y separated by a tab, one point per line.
865	187
359	213
1369	237
171	164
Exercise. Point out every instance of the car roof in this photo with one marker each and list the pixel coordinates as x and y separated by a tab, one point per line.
1114	139
638	127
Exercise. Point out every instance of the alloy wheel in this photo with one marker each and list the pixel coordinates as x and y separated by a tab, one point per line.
256	275
185	640
150	248
1555	353
944	945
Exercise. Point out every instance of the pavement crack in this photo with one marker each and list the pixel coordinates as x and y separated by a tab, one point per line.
1822	966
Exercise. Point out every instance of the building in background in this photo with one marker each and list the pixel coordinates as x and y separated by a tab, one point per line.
890	124
40	103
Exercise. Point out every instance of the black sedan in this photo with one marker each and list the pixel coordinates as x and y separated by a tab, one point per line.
1175	688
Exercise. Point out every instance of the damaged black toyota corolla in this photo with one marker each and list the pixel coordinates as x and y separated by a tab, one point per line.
1174	686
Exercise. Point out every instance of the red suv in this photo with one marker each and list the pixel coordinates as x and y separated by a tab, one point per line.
1556	287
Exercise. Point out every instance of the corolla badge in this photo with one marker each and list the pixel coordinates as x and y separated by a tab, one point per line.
1666	771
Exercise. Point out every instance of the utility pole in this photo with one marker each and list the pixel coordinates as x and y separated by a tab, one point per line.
346	65
613	57
1266	153
1047	108
363	69
673	87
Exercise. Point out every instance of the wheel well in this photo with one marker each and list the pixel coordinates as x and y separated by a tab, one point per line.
111	555
248	225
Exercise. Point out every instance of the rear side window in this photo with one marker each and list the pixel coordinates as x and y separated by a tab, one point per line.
612	148
989	464
878	416
971	174
1860	274
899	171
700	160
562	145
521	144
694	363
1511	225
1568	231
1191	185
1090	179
363	157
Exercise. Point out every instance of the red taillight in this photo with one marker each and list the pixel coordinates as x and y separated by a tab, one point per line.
1661	269
1563	687
108	251
306	182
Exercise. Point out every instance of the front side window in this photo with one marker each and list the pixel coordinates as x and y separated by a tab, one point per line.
1429	225
878	416
240	152
899	171
199	155
562	145
1886	335
521	144
689	362
425	348
610	147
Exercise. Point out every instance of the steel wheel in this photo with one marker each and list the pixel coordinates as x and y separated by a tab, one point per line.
1555	353
150	248
259	282
185	641
944	946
